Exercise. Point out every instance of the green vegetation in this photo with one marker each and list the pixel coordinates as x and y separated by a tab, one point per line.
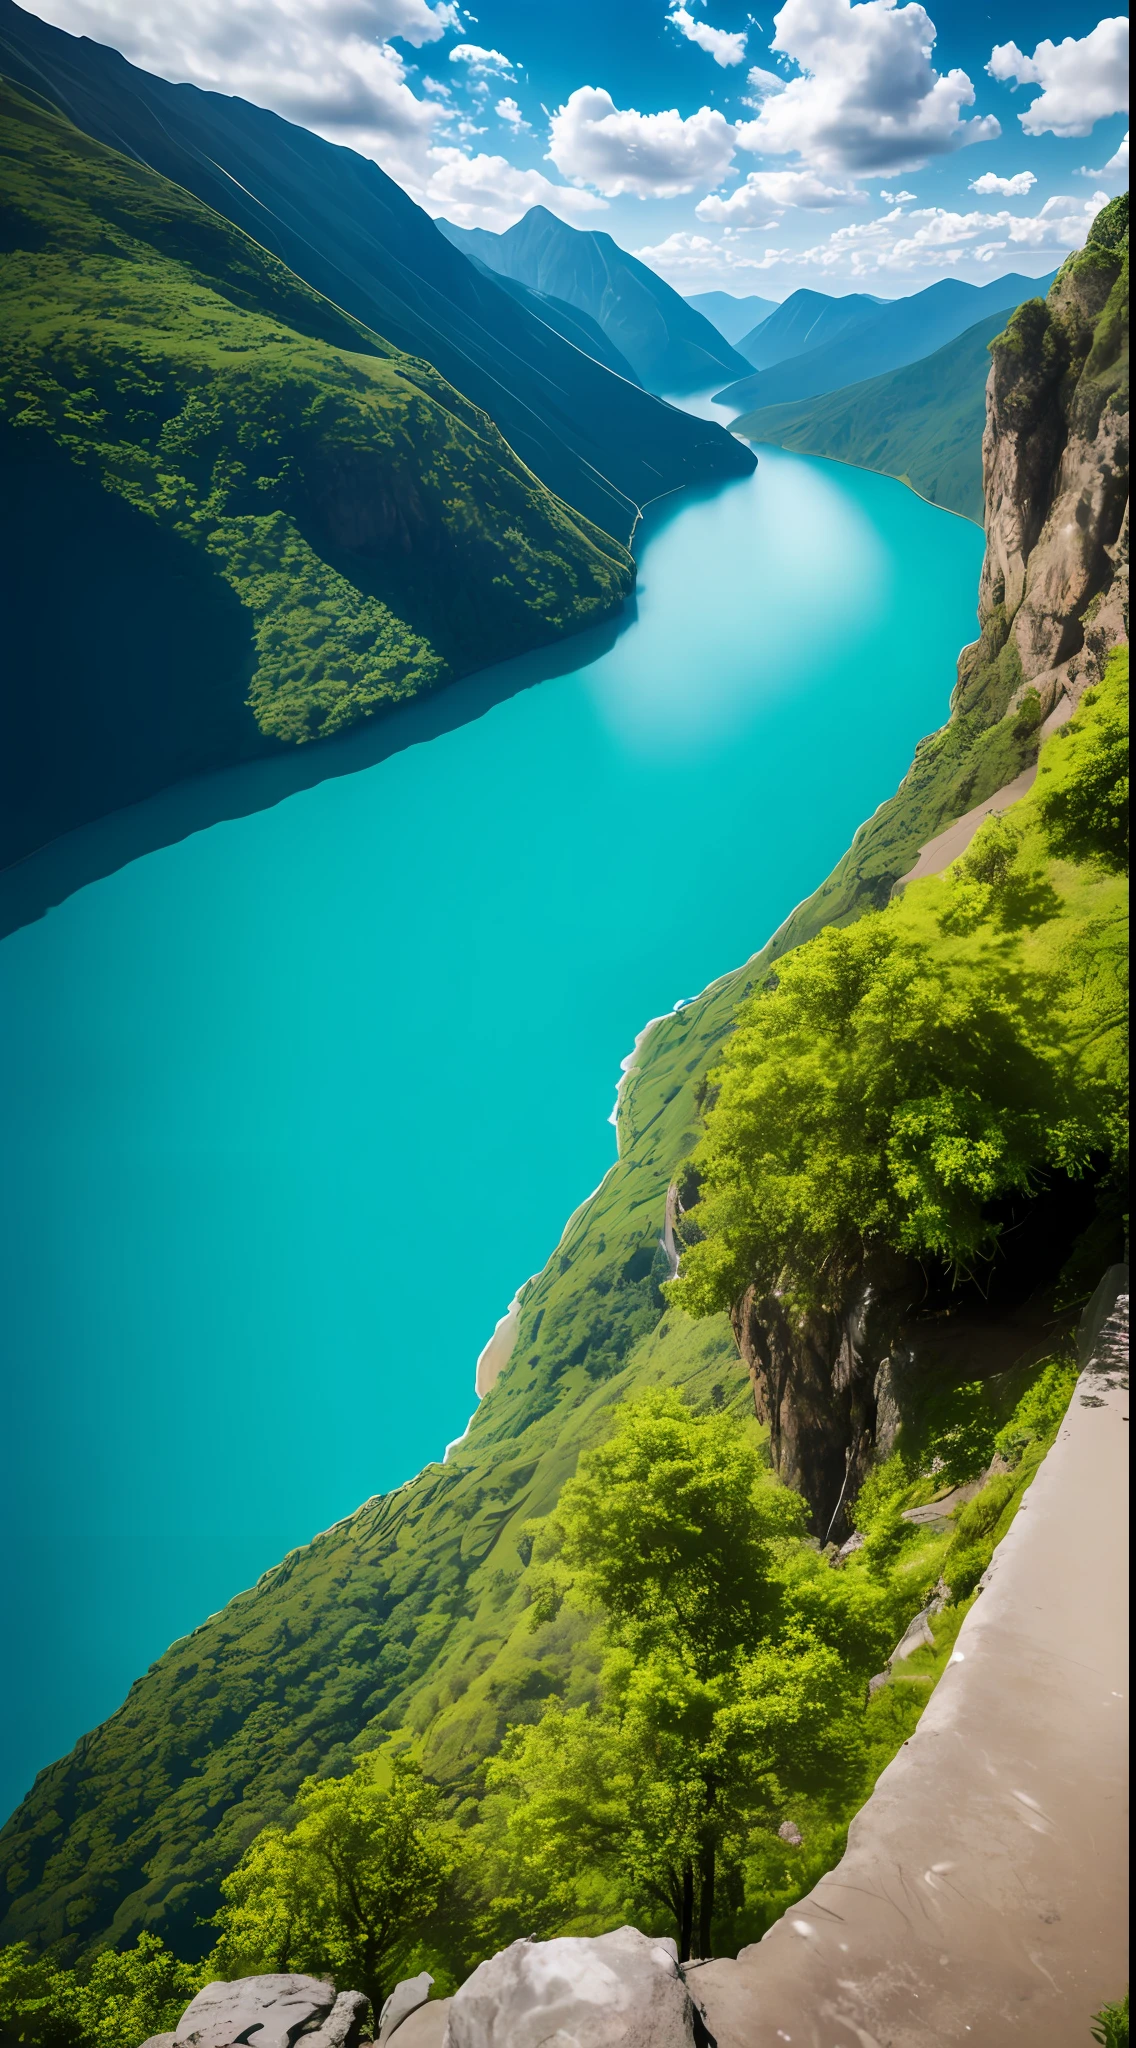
907	1072
122	1998
1110	2024
376	530
922	424
1082	786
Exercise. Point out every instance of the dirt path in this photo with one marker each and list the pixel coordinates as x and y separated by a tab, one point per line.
983	1894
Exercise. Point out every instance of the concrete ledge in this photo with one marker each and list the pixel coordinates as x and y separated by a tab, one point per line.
983	1894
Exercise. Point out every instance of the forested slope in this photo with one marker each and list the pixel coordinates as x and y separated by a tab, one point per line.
922	424
269	522
350	232
411	1616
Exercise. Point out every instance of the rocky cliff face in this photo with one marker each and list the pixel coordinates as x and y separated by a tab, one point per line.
1055	468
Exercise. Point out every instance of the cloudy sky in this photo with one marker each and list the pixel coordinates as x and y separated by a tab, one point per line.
844	144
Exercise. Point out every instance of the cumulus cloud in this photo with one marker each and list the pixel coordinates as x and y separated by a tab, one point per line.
490	192
724	46
695	262
1116	167
937	237
481	63
763	189
869	99
762	83
895	198
326	63
508	111
1010	188
1084	79
653	156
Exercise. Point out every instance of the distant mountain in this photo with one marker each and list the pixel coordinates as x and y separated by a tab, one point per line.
568	321
806	320
898	332
233	519
350	232
670	346
732	317
922	424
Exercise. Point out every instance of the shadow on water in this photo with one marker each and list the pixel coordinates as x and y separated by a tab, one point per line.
33	886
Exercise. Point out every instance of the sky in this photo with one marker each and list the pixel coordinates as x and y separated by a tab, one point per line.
847	145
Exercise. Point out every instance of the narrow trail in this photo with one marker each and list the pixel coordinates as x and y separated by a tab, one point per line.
983	1894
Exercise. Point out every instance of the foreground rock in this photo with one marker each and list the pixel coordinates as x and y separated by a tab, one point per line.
620	1990
273	2012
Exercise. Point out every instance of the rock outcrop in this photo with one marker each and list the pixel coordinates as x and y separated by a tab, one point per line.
273	2011
620	1990
1055	469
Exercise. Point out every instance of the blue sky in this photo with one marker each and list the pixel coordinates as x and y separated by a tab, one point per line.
842	144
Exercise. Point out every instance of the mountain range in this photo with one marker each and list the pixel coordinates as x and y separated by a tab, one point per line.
355	236
922	423
669	344
732	317
870	339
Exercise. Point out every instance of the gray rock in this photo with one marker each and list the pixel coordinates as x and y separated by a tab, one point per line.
160	2041
791	1833
619	1990
404	1999
343	2027
276	2007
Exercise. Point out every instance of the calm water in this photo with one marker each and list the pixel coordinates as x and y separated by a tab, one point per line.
294	1105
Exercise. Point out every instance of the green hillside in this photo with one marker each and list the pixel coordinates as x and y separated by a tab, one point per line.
183	416
922	424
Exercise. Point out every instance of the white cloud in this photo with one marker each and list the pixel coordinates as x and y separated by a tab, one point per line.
936	237
869	99
895	198
763	189
1116	167
653	156
325	63
724	46
490	192
692	262
508	111
1010	188
481	63
1085	79
762	83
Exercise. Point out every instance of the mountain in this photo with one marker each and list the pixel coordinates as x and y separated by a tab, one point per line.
670	346
415	1614
352	234
900	331
568	321
806	320
234	518
922	424
732	317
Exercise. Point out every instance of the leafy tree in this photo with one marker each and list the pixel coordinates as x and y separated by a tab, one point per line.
1082	785
125	1996
719	1691
348	1889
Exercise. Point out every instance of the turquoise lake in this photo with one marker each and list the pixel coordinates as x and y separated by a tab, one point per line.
293	1105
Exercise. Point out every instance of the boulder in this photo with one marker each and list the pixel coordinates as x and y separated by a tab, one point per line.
345	2023
404	1999
155	2041
619	1990
278	2007
791	1833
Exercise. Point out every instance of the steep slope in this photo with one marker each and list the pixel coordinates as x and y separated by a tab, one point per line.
732	316
897	333
411	1613
269	523
805	320
668	343
575	327
923	424
341	224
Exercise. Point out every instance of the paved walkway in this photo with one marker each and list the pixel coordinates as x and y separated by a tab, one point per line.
983	1895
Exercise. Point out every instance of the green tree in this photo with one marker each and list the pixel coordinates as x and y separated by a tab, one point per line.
1082	784
39	2002
719	1690
348	1889
121	1999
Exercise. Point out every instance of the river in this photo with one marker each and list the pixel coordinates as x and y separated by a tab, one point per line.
294	1104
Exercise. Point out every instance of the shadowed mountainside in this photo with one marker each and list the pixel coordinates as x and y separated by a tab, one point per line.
351	233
